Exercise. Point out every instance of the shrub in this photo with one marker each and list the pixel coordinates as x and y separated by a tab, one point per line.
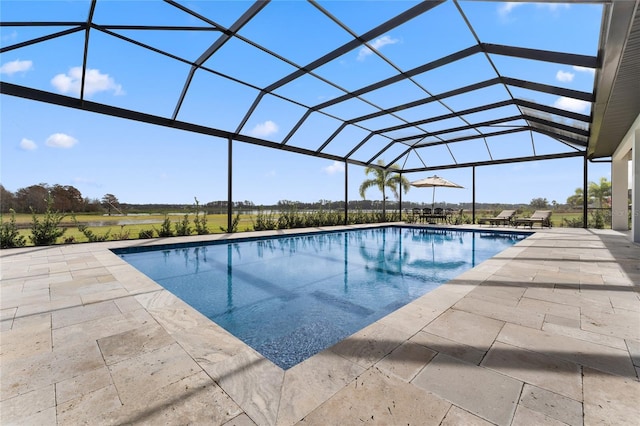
264	221
182	228
145	234
201	222
9	236
234	224
165	228
47	231
89	234
122	235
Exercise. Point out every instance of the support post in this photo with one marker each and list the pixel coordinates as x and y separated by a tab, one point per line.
229	185
346	192
400	197
620	194
473	195
585	191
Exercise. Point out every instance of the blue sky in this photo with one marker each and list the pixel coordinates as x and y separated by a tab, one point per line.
141	163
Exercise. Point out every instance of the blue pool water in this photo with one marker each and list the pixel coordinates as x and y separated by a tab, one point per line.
291	297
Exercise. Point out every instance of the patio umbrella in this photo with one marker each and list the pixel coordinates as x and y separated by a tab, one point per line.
433	182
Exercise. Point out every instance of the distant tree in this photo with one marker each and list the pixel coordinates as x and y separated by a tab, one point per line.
539	203
7	200
67	198
575	201
33	198
384	179
600	192
109	201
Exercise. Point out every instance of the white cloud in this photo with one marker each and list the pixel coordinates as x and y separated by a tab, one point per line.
16	66
264	129
94	82
335	167
376	44
60	140
505	9
564	76
571	104
28	144
584	69
10	37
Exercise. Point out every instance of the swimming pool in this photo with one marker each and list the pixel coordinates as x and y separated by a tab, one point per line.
292	297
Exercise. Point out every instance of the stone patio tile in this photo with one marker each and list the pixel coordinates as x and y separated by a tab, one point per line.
578	351
467	328
411	318
7	314
241	420
253	382
500	312
626	303
457	416
82	384
110	295
45	306
455	349
406	360
478	390
313	381
634	350
32	408
90	331
208	344
82	287
83	313
588	336
25	374
566	410
195	399
577	299
610	399
545	307
92	408
622	324
26	340
560	321
498	292
553	374
136	377
132	343
127	304
396	403
369	345
526	416
13	299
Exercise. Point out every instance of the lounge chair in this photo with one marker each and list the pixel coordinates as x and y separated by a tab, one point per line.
543	217
504	218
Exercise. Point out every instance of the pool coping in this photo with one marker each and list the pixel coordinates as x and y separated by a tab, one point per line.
262	391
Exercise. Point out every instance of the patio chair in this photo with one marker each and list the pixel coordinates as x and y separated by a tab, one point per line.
543	217
415	214
504	218
426	212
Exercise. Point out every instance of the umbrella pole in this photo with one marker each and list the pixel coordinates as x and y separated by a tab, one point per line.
433	199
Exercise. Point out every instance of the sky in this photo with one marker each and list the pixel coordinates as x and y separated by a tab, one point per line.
143	163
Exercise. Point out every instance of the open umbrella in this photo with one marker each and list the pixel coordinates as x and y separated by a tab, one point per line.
434	181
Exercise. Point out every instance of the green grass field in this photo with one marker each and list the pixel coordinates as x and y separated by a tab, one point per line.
129	227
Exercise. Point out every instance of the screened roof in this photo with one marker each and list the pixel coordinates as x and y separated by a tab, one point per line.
423	85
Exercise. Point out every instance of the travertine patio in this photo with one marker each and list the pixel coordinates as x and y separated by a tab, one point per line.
547	332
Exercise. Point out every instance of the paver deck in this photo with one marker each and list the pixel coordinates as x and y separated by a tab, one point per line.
546	332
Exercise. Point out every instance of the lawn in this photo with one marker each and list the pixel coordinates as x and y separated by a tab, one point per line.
130	226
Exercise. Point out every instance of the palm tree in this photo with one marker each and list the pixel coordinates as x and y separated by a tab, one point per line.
384	178
600	191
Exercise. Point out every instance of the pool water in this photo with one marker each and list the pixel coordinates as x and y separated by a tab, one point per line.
292	297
